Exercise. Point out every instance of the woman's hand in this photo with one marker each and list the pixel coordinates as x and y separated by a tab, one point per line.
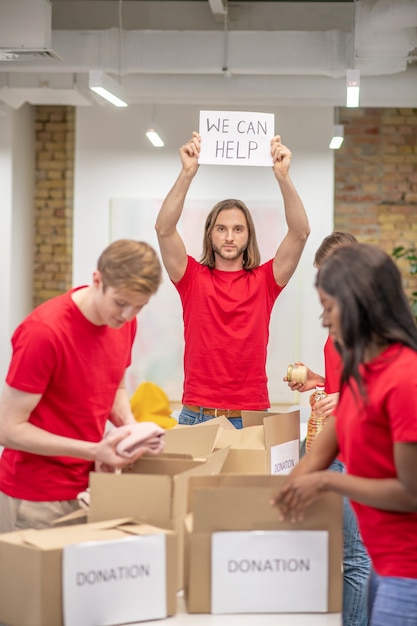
328	405
298	494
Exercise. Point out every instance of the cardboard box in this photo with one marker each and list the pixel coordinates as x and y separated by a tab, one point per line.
242	503
268	443
31	592
154	491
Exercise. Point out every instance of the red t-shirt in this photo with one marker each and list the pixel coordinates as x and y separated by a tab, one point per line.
77	366
366	433
226	329
332	366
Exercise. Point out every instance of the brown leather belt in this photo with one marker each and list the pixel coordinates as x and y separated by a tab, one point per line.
213	412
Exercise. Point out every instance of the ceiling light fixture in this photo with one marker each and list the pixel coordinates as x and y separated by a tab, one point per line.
218	7
338	136
108	88
352	88
154	137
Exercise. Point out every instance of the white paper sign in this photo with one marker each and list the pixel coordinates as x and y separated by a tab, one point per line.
269	571
236	138
114	582
284	457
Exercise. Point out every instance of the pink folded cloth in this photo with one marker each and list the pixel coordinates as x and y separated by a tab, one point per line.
145	436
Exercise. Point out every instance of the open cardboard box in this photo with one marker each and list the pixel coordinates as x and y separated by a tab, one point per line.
268	443
242	503
186	447
153	491
31	591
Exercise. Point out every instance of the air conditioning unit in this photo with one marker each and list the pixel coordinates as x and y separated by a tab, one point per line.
25	30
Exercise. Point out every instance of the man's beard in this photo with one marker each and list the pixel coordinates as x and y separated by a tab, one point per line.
229	256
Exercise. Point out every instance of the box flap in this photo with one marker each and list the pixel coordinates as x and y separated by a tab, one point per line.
207	466
164	464
221	421
246	462
53	538
212	466
255	418
190	440
243	439
281	427
76	517
136	528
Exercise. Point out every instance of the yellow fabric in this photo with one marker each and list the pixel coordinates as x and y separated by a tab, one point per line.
150	403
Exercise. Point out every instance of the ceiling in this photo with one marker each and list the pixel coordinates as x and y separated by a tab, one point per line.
209	51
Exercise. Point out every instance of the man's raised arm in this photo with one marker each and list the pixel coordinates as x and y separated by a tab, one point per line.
174	254
290	249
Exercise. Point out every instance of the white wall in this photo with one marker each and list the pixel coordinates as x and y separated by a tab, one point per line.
16	223
115	161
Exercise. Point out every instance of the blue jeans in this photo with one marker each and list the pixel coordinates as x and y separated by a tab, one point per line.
356	566
392	601
189	418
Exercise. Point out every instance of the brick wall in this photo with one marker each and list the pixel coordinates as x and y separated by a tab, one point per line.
376	179
54	128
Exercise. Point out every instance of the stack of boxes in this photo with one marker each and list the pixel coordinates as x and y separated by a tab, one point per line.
203	507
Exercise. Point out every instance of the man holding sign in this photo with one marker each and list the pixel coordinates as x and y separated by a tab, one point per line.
228	296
